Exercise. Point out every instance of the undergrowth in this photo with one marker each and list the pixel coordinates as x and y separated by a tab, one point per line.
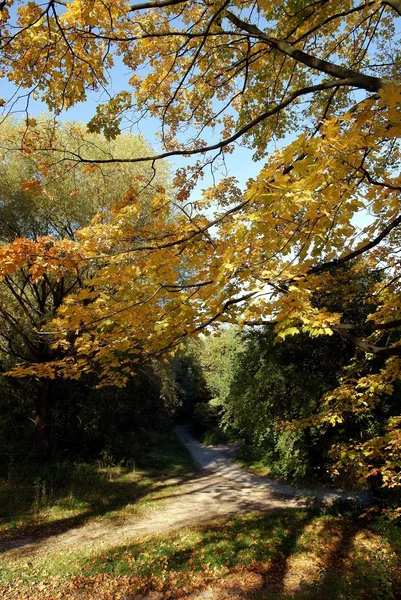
67	494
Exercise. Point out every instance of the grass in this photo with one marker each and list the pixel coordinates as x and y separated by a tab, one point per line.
278	555
290	551
258	467
64	495
285	554
248	458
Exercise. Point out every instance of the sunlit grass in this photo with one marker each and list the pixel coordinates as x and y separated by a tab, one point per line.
273	555
68	494
285	554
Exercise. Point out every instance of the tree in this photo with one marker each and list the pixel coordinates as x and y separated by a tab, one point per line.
189	380
257	385
43	205
256	72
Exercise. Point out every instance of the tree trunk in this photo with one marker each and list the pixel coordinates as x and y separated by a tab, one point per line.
42	419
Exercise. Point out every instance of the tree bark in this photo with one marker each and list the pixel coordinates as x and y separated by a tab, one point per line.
42	426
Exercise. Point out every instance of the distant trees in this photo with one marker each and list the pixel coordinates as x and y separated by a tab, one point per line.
281	395
268	384
271	394
42	203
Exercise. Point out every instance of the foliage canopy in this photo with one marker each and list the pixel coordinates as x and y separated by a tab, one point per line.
41	208
323	77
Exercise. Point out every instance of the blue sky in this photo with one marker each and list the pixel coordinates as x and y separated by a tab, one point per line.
239	163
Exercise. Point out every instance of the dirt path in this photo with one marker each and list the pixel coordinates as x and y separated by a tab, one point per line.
221	489
205	497
219	460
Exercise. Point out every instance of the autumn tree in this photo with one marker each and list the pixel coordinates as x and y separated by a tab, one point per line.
320	78
43	205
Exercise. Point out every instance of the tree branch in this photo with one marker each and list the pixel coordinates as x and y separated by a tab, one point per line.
368	347
340	261
161	4
368	326
367	82
395	5
203	150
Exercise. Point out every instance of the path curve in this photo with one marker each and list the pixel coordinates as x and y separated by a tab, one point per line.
202	498
220	490
219	460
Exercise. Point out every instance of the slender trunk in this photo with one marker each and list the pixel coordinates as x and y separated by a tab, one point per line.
42	419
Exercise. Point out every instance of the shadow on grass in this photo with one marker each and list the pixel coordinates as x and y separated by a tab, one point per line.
31	492
291	553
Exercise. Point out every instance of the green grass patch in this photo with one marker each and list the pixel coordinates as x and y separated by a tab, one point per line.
218	547
251	460
258	467
68	494
289	554
278	555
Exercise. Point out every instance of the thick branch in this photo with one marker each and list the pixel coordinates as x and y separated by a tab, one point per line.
368	326
394	4
161	4
203	150
340	261
368	347
366	82
344	329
